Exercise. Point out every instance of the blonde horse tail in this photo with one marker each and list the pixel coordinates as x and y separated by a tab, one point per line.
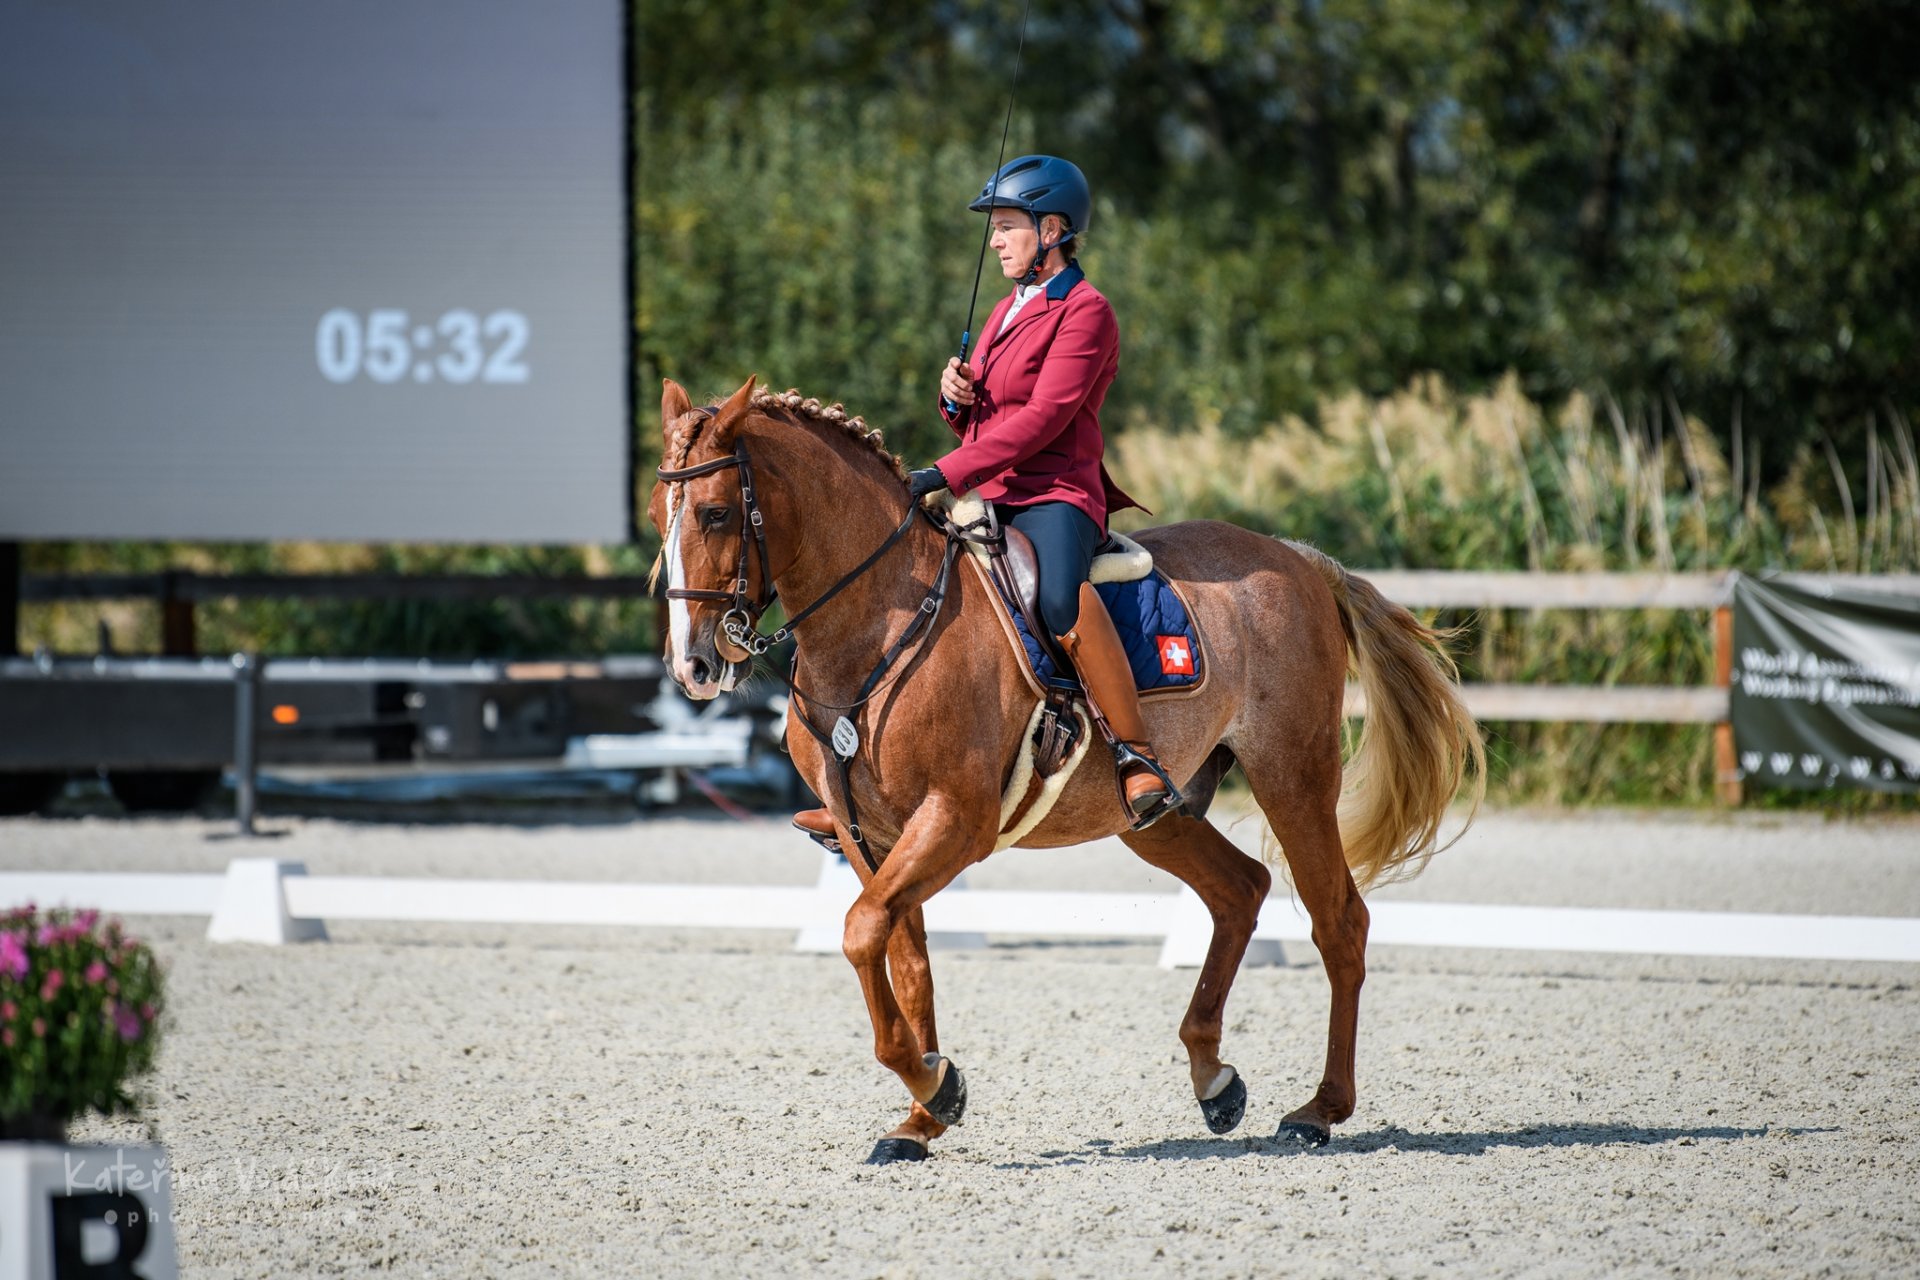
1418	744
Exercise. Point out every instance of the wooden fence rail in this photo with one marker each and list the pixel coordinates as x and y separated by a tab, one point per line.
1615	704
1710	593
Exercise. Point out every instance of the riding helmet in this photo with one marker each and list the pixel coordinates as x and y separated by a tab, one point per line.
1040	185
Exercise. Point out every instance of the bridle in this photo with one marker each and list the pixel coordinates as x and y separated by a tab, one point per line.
741	622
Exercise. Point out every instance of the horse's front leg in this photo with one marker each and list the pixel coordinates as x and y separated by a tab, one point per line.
913	986
885	920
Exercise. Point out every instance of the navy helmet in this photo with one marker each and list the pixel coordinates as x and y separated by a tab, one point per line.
1040	185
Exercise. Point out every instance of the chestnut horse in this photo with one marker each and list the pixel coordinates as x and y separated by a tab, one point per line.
772	494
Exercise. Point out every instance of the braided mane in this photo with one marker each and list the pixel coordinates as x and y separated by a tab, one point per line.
832	415
795	406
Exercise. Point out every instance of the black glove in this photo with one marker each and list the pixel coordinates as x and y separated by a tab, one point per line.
925	481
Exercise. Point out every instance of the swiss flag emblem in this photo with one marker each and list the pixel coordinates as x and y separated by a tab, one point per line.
1176	656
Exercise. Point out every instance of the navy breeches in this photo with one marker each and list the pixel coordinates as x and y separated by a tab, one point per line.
1064	539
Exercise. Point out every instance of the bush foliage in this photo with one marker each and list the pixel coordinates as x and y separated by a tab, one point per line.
80	1009
1434	480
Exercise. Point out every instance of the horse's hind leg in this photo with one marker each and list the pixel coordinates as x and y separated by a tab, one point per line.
1301	807
1232	886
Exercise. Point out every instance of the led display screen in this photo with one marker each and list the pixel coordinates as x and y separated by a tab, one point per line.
345	271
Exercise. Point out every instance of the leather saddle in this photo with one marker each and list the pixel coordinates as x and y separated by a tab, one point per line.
1015	570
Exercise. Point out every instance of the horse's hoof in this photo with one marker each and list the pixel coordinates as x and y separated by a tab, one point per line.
1292	1133
1224	1109
949	1101
896	1150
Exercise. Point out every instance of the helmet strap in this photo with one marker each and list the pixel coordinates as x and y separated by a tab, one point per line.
1040	256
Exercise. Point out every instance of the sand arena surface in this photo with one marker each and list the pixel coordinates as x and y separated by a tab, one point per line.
514	1101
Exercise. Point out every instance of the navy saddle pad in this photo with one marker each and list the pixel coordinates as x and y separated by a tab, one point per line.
1153	625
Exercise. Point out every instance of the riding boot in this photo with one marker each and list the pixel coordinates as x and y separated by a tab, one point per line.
1101	661
818	825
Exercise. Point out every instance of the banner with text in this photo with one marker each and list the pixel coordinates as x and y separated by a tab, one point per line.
1826	686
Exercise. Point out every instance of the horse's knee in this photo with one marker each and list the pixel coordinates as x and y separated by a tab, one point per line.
867	932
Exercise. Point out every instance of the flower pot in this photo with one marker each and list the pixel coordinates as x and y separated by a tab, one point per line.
33	1127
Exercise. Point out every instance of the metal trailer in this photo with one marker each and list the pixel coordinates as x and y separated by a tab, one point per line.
162	730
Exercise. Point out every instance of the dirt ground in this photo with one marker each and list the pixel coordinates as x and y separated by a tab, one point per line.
515	1101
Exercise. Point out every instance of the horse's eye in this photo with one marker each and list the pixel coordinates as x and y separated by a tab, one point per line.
713	517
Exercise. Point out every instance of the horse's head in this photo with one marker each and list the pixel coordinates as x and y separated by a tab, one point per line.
714	564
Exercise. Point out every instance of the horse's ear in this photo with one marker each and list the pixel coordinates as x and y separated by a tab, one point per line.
673	402
732	414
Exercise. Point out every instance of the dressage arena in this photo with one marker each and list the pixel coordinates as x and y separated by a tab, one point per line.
498	1100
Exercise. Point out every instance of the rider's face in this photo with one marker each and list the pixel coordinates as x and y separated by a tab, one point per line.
1013	238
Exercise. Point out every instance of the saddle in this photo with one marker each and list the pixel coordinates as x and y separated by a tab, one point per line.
1015	569
1007	560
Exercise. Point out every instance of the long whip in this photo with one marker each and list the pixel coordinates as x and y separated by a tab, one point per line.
986	232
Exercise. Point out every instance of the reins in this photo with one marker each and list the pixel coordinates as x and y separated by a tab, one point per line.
741	621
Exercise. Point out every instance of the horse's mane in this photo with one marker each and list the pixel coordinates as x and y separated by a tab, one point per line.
802	408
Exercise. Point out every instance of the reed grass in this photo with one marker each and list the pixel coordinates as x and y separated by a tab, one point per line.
1433	479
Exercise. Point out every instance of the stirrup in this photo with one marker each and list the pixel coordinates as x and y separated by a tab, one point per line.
830	843
1124	758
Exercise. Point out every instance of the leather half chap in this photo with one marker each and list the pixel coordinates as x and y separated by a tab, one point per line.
1146	792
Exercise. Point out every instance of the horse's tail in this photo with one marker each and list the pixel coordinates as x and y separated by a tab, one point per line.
1418	744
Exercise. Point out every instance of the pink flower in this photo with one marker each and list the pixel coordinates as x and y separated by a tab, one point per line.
127	1023
39	1027
13	956
51	987
48	932
148	1012
86	920
7	1037
7	1010
96	972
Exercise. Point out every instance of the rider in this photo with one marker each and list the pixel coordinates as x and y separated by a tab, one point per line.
1027	414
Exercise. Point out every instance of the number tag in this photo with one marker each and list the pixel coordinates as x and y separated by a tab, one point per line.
846	739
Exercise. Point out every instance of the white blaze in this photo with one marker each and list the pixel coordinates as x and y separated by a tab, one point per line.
681	623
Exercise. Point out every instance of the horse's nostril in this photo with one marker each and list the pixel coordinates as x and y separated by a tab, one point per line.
701	672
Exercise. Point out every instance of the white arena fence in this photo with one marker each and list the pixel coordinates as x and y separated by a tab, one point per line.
267	900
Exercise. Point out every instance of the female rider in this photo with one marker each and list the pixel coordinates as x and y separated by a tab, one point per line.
1027	412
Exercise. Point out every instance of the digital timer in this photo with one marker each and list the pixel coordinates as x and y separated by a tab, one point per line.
459	347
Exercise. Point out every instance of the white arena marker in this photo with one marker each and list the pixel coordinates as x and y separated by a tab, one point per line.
115	892
86	1210
840	884
269	901
253	905
1190	930
1677	933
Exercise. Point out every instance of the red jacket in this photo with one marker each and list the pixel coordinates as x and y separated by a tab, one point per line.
1032	433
